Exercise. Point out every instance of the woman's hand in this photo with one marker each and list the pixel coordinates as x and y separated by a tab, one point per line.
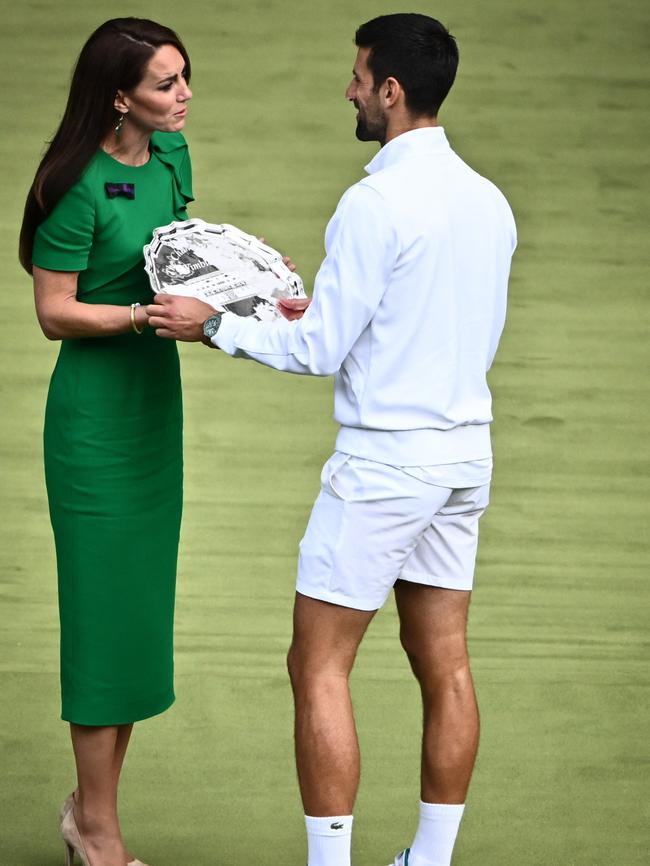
293	308
285	259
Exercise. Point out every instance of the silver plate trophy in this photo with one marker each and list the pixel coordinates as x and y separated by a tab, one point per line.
221	265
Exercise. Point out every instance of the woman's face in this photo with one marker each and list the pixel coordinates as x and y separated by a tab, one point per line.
159	102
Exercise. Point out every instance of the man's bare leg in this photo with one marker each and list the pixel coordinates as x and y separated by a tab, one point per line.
433	625
325	642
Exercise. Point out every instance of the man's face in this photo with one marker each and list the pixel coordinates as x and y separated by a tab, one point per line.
371	121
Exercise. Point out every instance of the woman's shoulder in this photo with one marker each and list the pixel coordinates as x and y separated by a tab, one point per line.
82	193
88	181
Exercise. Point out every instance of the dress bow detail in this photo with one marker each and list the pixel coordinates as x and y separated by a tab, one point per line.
113	190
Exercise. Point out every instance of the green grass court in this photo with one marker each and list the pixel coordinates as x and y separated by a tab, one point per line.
550	103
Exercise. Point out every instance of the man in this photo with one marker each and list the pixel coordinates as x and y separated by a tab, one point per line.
407	311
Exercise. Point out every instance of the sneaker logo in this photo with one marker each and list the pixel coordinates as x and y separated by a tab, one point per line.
336	826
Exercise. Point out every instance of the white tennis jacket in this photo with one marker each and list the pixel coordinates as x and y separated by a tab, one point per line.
408	307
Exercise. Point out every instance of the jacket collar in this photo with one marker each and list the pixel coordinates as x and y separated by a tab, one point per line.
416	142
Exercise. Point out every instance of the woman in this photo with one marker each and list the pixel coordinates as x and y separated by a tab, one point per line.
116	168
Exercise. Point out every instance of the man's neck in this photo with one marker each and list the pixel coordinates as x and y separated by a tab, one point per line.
406	124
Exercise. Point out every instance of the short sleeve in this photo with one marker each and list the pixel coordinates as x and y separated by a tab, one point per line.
63	240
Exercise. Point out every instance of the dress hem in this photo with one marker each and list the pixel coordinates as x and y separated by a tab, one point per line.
118	720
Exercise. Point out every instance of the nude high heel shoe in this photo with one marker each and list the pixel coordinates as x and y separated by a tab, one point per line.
66	807
72	839
67	804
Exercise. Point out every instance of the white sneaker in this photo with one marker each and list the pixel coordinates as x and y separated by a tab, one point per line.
402	858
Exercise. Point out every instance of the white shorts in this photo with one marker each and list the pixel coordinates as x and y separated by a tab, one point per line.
373	524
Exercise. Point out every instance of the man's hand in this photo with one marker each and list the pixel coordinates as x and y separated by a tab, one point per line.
179	318
293	308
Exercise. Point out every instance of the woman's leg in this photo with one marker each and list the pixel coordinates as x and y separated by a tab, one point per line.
96	754
121	745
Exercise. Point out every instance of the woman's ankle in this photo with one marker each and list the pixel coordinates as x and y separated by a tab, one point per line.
96	821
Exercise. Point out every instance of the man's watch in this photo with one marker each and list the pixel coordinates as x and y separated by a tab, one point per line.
210	328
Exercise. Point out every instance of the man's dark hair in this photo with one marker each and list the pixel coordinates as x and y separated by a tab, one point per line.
416	50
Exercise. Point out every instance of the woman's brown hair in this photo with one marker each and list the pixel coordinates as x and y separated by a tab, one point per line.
114	58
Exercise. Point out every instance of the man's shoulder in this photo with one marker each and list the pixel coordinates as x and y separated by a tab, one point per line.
403	178
360	195
434	180
359	207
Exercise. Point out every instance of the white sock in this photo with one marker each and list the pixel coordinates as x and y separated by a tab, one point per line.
329	840
436	834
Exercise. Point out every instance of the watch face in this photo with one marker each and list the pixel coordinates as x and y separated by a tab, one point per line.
211	325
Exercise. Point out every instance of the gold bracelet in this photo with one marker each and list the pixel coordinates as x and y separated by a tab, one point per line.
133	324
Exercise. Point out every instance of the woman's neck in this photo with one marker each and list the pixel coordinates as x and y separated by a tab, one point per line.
130	146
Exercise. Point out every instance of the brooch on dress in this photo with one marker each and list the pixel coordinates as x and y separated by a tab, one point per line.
127	190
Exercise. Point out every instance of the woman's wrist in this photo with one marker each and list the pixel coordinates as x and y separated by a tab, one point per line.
138	318
142	319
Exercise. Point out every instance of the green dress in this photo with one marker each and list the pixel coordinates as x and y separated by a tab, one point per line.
113	447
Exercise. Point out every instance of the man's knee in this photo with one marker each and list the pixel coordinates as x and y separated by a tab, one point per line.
307	663
436	659
307	668
433	627
295	665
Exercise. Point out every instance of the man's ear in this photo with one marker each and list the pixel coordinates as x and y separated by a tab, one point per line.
391	91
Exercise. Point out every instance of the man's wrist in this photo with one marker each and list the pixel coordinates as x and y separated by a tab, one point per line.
210	328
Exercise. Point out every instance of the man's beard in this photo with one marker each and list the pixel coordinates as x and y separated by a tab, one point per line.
371	130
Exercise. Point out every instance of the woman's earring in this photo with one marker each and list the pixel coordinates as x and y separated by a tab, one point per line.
118	126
